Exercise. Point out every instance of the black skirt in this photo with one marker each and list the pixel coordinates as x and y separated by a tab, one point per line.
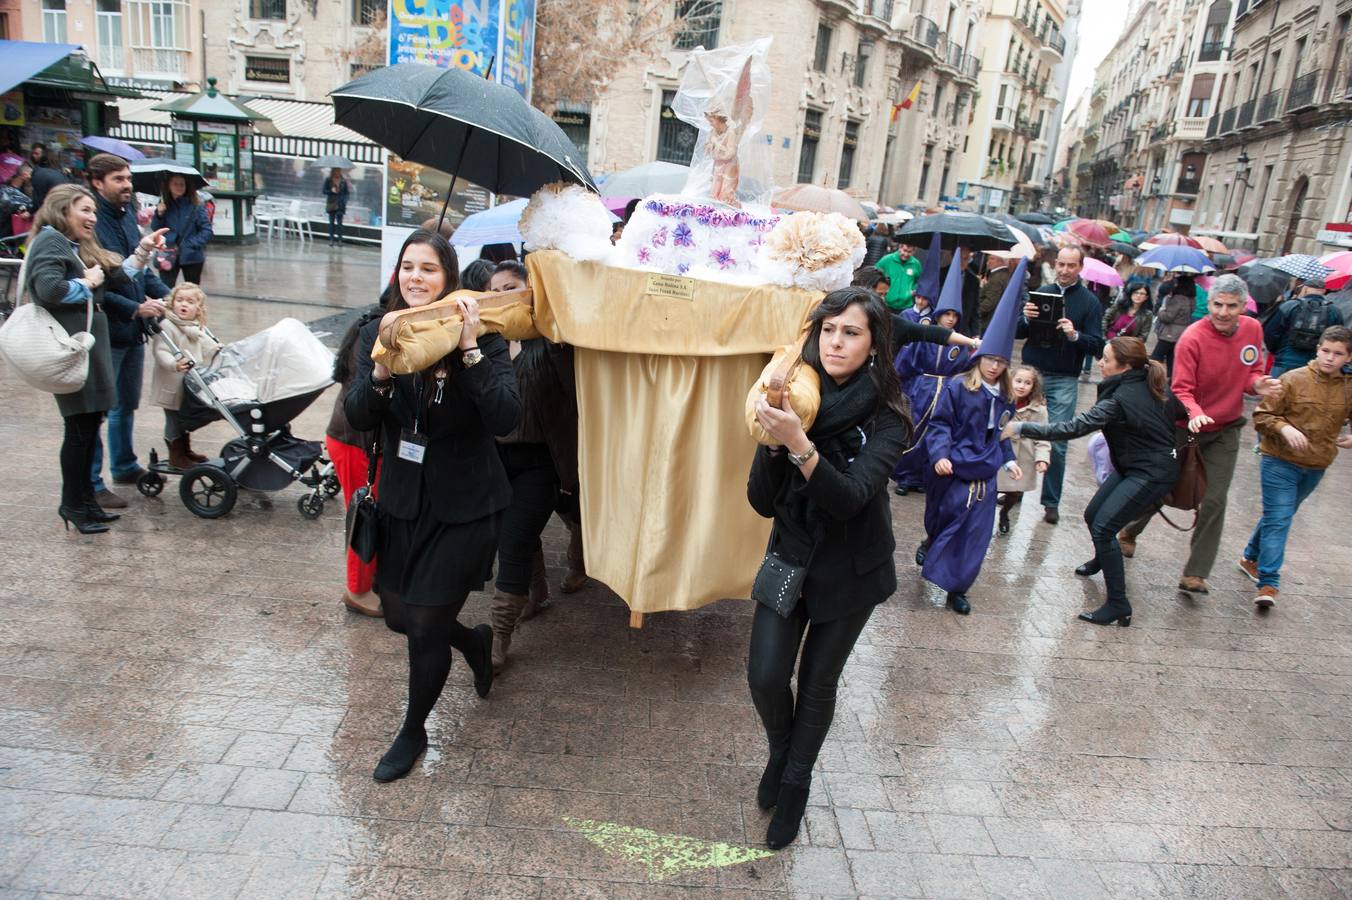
426	562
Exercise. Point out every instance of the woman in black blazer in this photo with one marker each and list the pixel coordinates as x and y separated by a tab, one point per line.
826	490
442	487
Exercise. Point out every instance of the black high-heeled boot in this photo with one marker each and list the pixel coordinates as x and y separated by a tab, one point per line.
767	794
1089	569
79	517
788	817
98	513
1114	612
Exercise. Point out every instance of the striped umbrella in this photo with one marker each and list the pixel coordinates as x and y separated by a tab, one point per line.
1176	259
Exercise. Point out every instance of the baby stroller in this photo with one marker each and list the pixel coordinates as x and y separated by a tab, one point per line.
257	385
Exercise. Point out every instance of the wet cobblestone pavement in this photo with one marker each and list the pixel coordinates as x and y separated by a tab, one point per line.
187	710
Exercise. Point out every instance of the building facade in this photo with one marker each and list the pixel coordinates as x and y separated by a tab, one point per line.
152	43
1010	140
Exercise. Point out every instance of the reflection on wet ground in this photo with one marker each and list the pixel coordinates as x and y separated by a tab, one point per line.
187	710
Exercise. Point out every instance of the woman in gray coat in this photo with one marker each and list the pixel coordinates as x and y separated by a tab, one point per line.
67	271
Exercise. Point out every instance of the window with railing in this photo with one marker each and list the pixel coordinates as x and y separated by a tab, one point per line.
847	151
267	9
364	12
1269	106
108	24
1303	90
158	34
821	54
700	23
861	63
54	21
807	151
675	139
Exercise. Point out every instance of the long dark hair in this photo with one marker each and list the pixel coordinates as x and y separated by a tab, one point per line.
1130	352
189	192
445	256
1123	303
879	367
342	362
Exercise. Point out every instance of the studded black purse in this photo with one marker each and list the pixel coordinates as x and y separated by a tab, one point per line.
779	581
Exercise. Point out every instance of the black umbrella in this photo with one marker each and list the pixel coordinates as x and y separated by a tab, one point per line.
148	175
959	229
1123	247
1036	218
1265	285
460	123
1016	225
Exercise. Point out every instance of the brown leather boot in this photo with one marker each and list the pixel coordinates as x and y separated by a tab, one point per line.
576	578
505	613
539	589
178	454
192	454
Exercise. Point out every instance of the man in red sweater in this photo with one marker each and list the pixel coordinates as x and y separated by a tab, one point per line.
1217	361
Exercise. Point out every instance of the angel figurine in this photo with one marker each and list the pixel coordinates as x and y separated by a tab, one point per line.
725	138
716	96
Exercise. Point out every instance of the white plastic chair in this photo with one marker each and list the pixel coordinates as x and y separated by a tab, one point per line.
295	219
267	217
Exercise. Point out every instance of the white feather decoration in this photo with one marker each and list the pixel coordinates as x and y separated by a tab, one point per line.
567	218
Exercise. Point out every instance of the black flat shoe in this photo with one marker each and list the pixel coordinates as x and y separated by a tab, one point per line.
1051	515
901	490
398	761
788	818
959	603
1003	526
483	666
98	513
767	794
1108	614
80	518
920	553
1089	569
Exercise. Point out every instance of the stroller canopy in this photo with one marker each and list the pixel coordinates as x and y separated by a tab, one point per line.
283	361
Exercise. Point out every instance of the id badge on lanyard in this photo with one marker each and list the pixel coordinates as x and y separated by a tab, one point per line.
412	443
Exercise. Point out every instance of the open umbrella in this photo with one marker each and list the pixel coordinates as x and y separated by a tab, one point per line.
1243	256
1036	218
1341	264
470	127
333	161
1171	239
1022	249
112	145
814	198
1120	236
1210	244
1224	261
1126	247
1299	265
1100	272
959	229
896	217
1108	225
496	225
147	175
1266	284
1088	231
1176	259
1030	231
649	178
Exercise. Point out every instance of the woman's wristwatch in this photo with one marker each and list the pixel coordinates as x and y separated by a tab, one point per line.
800	459
472	358
383	388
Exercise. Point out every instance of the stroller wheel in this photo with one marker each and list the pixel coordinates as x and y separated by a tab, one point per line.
311	506
331	486
150	484
207	491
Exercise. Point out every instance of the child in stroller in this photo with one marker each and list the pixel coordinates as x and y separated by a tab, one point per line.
257	385
184	327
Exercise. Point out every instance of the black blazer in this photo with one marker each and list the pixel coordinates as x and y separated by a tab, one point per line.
461	471
852	567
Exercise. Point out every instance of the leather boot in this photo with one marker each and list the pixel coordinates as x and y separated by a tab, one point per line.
539	600
178	454
192	454
576	578
505	613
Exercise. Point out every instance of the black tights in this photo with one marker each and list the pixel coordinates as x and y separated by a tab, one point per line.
432	631
77	457
1119	502
799	731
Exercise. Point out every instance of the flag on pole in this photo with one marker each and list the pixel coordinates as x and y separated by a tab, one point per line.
908	102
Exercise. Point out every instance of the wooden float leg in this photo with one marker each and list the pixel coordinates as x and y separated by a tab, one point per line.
635	619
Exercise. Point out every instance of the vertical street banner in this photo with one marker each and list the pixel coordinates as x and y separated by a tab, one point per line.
479	36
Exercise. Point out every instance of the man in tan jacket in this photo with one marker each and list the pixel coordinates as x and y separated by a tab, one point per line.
1300	429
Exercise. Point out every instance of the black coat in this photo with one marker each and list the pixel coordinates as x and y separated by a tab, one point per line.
118	232
1139	429
852	567
875	248
461	471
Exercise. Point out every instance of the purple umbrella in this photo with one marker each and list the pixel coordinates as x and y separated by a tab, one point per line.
113	146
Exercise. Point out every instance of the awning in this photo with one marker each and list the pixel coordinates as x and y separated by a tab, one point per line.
24	59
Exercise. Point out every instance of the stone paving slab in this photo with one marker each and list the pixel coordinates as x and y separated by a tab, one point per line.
186	710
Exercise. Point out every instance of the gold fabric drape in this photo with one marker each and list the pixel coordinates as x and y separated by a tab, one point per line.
662	445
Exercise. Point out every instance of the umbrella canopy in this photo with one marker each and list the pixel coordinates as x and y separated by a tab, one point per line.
1126	247
1019	227
462	124
649	178
1176	259
333	161
1299	265
1265	283
1243	256
112	145
814	198
1088	231
496	225
1108	226
1224	261
1100	272
896	217
1120	236
1023	249
1139	237
1341	264
1036	218
960	229
1211	245
147	175
1343	300
1170	239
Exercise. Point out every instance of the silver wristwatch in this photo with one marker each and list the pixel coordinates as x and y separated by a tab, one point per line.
799	460
472	358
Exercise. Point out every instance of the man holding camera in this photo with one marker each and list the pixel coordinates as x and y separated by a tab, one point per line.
1057	349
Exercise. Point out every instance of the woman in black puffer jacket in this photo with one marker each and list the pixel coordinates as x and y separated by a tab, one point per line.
1136	413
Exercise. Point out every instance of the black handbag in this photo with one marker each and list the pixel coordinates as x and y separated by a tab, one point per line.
779	581
363	515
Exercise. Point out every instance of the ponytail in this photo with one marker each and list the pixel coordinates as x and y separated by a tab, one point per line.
1157	379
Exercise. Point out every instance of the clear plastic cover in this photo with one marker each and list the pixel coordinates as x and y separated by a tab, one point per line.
725	93
286	360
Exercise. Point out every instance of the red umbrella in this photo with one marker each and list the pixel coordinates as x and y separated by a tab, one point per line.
1211	245
1341	264
1171	239
1087	231
1243	256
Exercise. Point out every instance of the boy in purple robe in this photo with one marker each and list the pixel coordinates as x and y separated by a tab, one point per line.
965	444
924	368
921	310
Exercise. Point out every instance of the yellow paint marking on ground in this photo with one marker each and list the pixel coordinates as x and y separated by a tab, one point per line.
663	855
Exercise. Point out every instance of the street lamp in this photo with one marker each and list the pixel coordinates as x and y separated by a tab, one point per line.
1242	176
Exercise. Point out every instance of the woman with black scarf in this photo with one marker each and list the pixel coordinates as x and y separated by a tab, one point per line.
826	490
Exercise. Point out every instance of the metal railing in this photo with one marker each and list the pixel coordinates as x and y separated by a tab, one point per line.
1213	126
1228	120
1303	91
1058	43
1188	185
1246	114
1269	106
926	31
1210	51
1241	8
1176	67
1159	133
955	54
971	66
880	9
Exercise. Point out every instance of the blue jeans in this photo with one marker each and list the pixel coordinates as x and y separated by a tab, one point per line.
335	227
128	365
1285	487
1062	392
